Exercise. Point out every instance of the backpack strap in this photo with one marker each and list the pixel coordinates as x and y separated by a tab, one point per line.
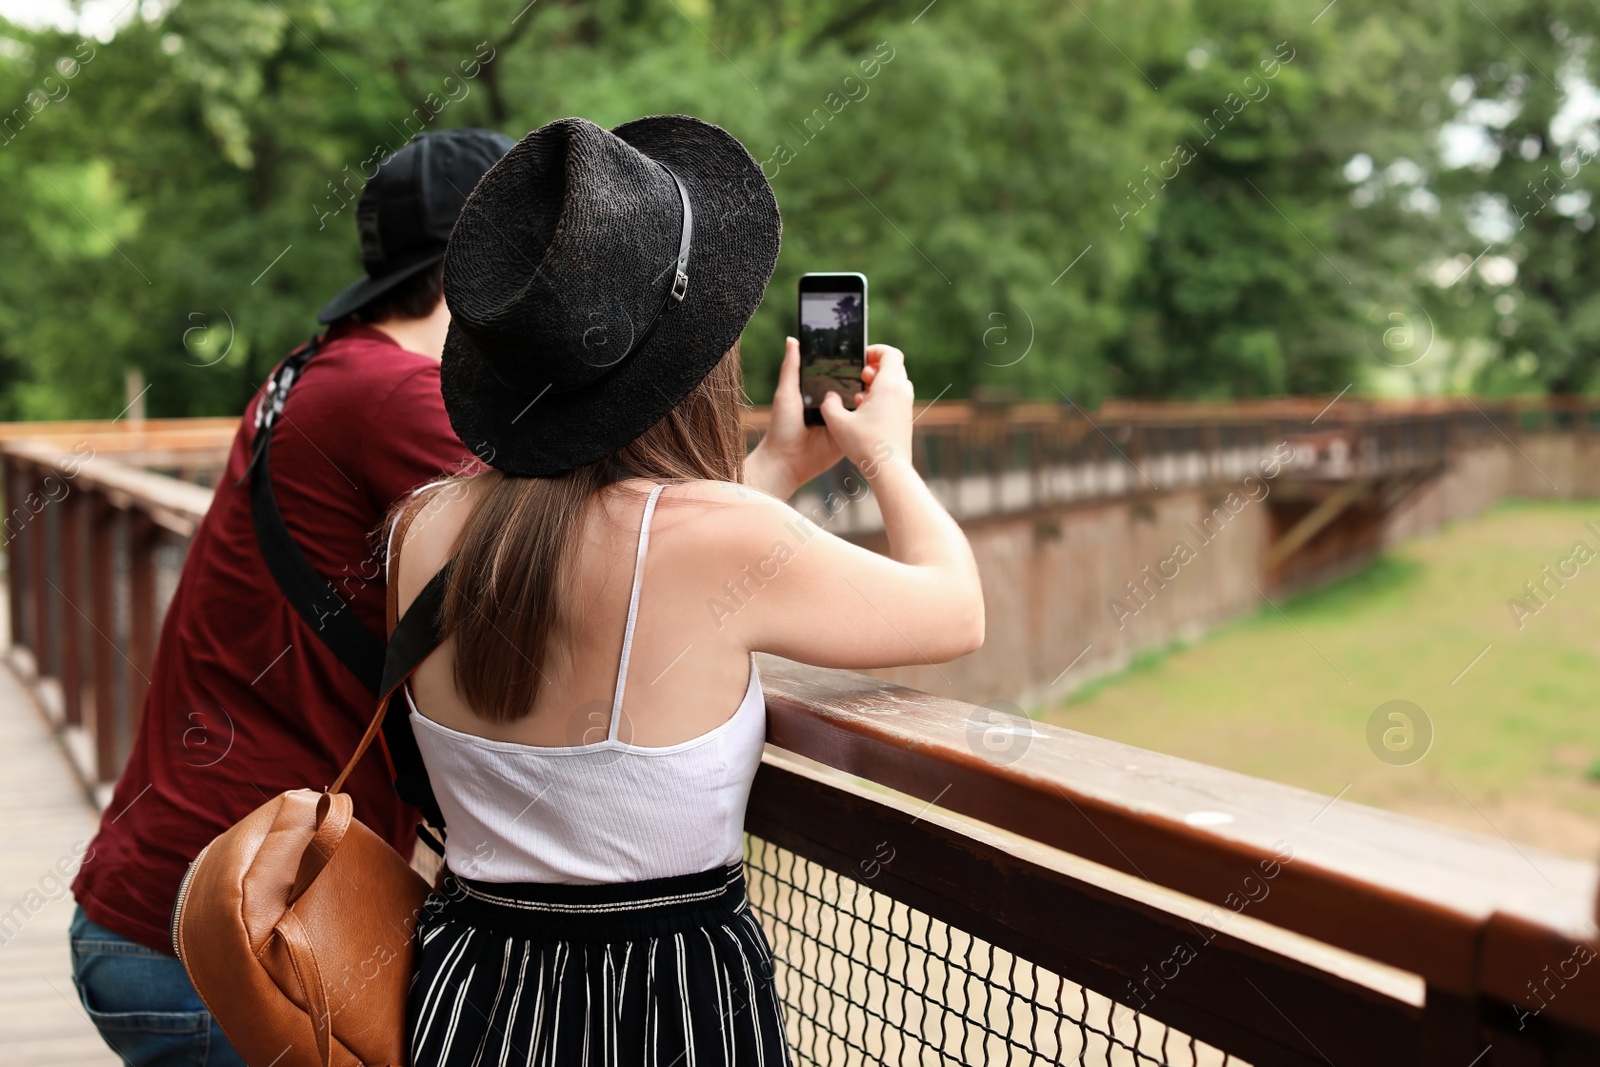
412	638
313	598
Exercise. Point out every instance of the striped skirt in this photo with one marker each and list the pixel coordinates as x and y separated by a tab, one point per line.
672	972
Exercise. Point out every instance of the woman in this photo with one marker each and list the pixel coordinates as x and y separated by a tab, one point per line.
593	720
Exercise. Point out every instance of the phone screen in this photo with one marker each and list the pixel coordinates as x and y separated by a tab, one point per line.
833	339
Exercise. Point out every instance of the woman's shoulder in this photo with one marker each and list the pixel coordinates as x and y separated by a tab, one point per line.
423	529
730	498
717	515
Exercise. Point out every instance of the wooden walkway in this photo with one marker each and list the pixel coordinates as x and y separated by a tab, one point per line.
45	820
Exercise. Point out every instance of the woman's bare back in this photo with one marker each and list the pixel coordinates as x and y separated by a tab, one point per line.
686	675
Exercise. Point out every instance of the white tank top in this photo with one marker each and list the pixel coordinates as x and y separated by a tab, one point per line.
597	813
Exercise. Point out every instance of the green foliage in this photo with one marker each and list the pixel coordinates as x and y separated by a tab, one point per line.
1548	322
181	196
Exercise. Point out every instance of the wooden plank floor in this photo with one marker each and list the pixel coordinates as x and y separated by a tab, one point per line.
45	820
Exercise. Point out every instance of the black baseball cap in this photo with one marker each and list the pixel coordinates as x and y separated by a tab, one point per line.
409	206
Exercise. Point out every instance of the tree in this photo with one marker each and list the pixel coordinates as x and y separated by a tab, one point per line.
1049	199
1528	193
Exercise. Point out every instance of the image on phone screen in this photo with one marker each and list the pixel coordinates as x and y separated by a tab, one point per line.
833	345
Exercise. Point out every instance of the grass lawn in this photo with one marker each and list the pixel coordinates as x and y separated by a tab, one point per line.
1287	694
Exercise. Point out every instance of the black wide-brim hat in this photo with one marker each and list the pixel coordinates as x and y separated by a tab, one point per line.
567	338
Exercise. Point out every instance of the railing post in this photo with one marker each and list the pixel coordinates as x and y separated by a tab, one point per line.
1451	1033
142	536
72	514
16	549
102	599
1136	454
1210	451
44	658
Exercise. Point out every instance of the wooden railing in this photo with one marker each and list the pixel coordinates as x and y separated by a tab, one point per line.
985	460
1366	937
1273	925
93	549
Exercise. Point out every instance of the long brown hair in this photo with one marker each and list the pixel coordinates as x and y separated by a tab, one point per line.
511	558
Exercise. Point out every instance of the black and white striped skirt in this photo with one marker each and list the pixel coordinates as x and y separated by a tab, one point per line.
672	972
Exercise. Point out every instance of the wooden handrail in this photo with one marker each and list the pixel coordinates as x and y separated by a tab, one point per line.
217	432
954	413
115	435
173	504
1470	914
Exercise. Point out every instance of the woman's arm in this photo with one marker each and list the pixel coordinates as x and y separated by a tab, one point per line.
781	584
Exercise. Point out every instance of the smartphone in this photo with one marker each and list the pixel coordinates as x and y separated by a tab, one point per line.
833	339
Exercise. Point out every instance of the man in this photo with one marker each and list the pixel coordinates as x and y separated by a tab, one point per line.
245	699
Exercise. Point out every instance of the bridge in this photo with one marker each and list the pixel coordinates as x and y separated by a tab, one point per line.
940	886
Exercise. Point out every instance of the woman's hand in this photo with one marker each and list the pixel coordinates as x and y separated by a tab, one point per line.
880	426
791	453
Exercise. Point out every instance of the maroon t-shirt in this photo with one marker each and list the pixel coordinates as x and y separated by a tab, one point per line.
245	701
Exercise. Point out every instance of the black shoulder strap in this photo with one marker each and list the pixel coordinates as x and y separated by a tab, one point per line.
316	601
380	668
414	637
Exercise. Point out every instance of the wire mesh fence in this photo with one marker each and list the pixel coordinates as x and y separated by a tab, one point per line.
866	979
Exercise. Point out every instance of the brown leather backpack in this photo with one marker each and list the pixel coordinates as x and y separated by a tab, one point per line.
296	923
295	926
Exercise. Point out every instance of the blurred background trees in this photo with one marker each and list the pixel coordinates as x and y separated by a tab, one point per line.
1187	198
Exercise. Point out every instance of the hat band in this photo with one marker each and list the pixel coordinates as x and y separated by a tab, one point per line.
680	277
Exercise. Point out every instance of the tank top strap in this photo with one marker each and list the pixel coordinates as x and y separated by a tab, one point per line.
633	612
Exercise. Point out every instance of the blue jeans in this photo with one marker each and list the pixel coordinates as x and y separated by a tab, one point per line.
142	1002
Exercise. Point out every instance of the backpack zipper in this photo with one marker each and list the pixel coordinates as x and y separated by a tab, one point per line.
183	894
